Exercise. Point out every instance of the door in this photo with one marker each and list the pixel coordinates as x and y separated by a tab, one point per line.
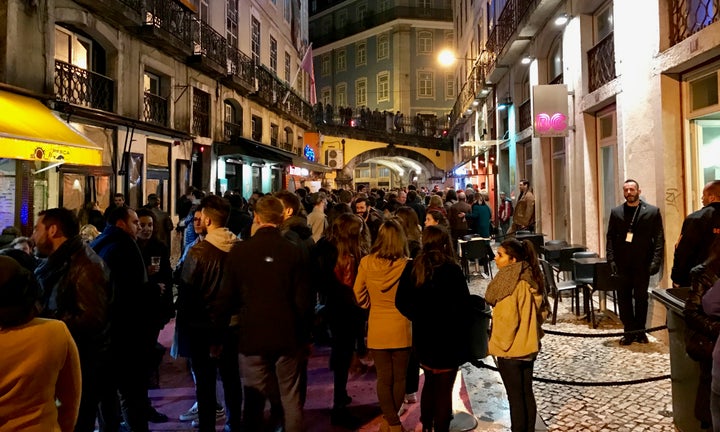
607	168
561	201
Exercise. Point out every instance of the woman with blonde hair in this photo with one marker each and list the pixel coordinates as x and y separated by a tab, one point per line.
337	256
389	332
517	294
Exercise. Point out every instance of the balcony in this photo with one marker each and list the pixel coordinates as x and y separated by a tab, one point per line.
689	17
601	63
508	22
155	109
240	71
320	37
525	115
124	13
232	130
79	86
470	91
271	92
210	49
168	26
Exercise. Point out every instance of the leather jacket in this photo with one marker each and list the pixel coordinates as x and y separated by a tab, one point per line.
76	290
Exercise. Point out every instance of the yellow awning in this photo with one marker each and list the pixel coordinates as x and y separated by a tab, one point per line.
30	131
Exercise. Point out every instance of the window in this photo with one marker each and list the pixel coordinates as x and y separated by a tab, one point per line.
361	12
231	30
72	48
361	92
450	35
383	47
154	105
325	65
341	95
287	67
425	4
255	40
607	156
361	54
151	83
274	132
287	12
202	7
341	20
325	96
449	86
201	113
383	87
233	121
341	60
257	128
603	20
273	54
555	64
425	42
288	139
425	84
383	172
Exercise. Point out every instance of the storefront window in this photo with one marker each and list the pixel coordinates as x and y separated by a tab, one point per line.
706	156
7	193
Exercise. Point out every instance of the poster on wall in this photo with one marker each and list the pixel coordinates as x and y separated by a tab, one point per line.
7	201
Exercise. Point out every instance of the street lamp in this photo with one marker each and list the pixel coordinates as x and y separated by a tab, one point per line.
447	58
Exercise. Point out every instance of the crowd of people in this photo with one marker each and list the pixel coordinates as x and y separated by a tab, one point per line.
254	278
386	121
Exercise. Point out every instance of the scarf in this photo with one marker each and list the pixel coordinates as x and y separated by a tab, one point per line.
506	280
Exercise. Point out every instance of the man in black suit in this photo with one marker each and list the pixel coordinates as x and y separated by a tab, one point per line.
635	245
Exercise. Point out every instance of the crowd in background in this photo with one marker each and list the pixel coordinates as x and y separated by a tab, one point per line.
367	272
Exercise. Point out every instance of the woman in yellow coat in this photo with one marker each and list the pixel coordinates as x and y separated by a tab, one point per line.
389	332
517	295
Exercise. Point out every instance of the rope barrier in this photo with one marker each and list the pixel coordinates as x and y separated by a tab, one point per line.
481	364
603	335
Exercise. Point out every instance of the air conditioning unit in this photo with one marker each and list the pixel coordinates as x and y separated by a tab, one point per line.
334	158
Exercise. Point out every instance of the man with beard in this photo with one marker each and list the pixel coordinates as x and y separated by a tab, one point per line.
74	280
372	219
131	328
635	244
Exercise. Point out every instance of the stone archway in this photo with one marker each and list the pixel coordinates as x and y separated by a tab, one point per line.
429	171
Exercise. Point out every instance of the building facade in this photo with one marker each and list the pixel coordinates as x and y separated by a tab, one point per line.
164	91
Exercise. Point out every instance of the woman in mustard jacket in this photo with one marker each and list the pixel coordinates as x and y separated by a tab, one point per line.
517	295
389	332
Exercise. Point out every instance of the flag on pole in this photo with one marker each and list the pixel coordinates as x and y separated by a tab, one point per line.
307	66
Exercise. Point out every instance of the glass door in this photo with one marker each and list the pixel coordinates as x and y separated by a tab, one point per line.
705	157
607	168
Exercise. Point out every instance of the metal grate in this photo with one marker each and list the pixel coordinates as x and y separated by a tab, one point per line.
82	87
201	113
601	63
155	109
232	130
688	17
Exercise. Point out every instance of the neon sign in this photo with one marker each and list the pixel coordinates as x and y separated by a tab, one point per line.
550	123
309	153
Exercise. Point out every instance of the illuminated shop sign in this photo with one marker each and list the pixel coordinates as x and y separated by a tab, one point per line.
297	171
550	111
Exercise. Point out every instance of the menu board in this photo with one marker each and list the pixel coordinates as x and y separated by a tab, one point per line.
7	201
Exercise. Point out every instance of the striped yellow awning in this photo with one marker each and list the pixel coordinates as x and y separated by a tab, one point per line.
30	131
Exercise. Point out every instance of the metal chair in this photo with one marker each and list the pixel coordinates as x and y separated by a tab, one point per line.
553	257
583	276
555	289
565	263
475	249
603	282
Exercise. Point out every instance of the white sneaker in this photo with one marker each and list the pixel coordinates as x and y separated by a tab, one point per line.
219	415
190	414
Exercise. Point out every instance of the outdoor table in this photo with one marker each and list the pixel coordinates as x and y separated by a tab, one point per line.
602	295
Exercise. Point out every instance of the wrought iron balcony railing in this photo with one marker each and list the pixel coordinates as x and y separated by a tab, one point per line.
240	65
322	36
510	18
209	43
688	17
273	92
83	87
155	109
170	17
525	115
233	130
601	63
470	91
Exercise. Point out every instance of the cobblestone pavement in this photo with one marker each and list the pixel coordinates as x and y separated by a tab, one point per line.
641	407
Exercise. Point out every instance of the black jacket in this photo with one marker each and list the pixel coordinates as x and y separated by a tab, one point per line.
440	313
197	302
131	314
698	232
265	281
646	250
338	298
76	290
161	300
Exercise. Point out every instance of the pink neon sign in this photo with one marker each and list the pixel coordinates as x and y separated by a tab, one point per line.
546	123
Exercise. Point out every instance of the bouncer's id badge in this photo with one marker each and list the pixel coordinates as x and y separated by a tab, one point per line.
629	236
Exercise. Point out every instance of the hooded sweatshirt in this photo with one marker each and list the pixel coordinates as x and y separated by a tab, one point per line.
221	238
375	288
